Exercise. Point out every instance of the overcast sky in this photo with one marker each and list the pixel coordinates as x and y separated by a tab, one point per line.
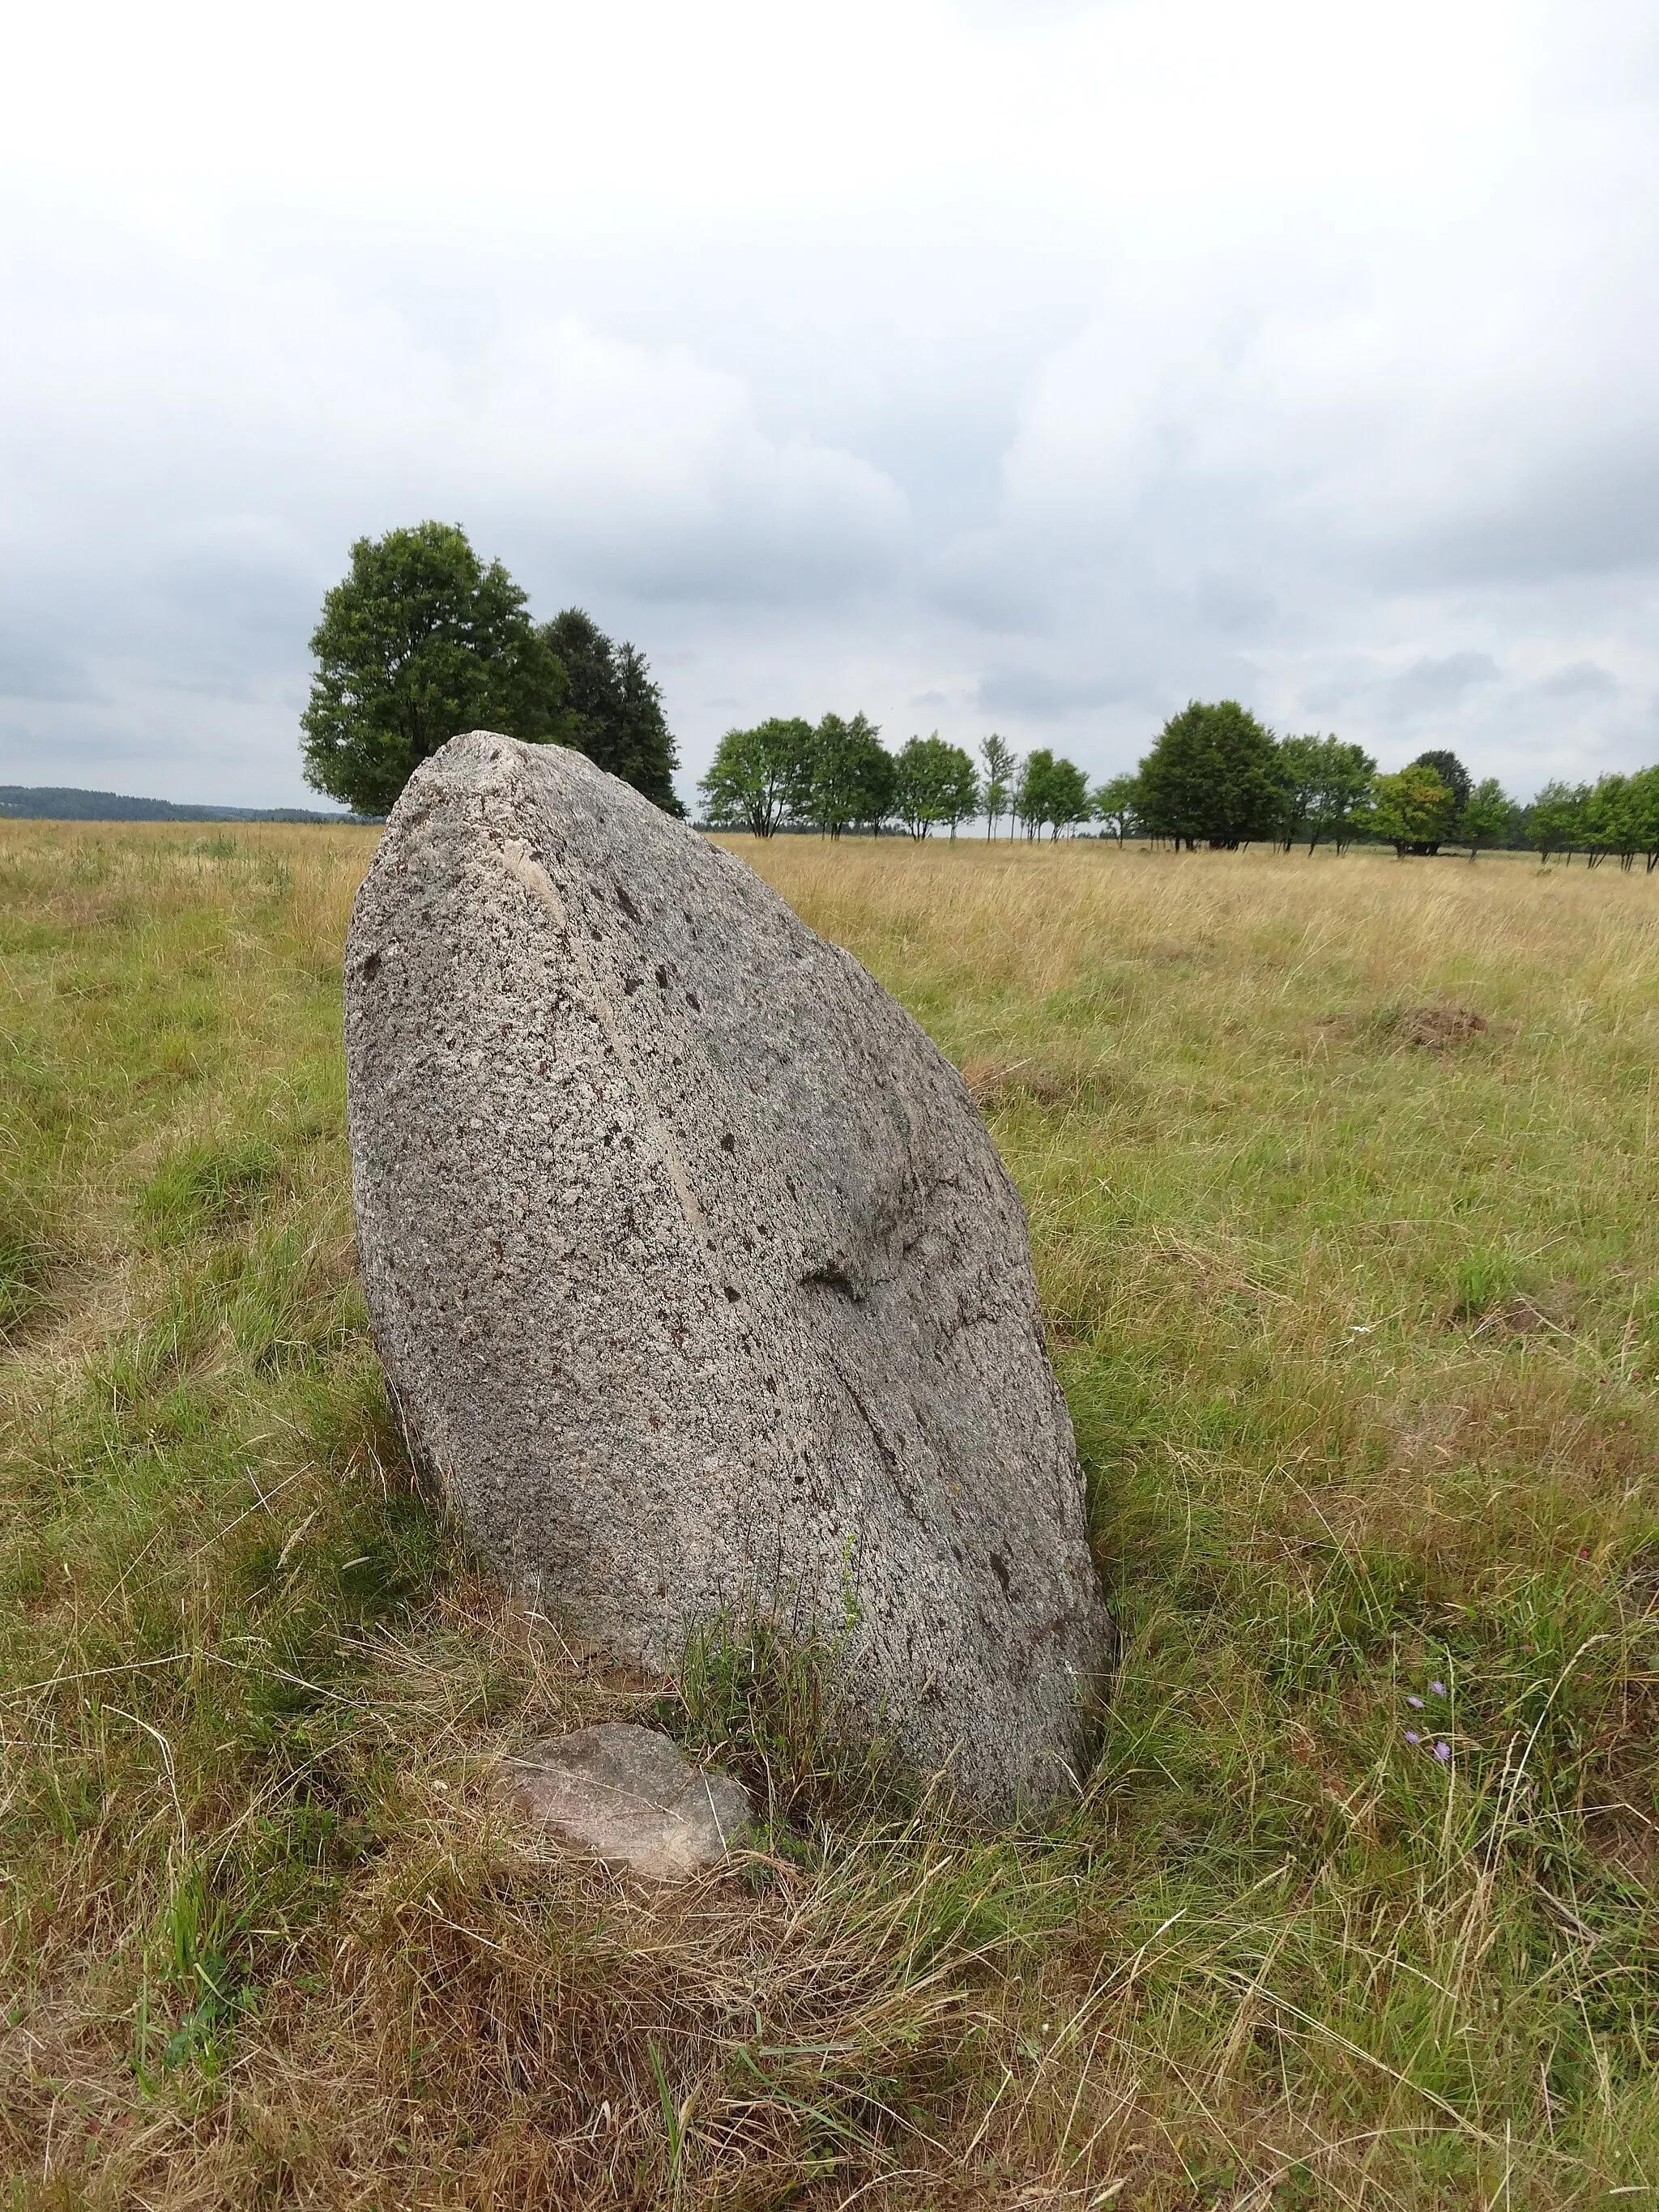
1034	365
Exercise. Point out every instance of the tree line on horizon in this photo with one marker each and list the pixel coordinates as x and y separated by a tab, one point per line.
1214	776
422	638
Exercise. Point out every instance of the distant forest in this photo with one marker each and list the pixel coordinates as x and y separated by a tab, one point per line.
50	803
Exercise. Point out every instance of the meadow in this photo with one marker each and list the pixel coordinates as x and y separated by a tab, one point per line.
1345	1214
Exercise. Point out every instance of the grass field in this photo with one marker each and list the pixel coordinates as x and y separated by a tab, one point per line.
1357	1305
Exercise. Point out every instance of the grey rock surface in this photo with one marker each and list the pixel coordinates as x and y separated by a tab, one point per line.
626	1794
696	1273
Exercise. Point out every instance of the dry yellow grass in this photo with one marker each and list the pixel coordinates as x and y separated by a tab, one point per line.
1358	1314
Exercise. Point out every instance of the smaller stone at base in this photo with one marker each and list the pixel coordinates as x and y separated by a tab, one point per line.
626	1794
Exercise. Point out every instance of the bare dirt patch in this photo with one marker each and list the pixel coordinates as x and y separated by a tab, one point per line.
995	1083
1431	1029
1520	1315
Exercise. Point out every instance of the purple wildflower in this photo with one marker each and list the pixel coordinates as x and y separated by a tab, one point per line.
1437	1689
1412	1736
1442	1750
1417	1702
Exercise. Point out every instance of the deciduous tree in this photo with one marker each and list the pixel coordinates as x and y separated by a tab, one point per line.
1409	810
757	776
1555	820
1642	798
1068	797
1488	815
420	640
1606	828
1033	792
996	787
1456	782
850	776
1117	804
1325	782
1451	771
958	788
933	782
1211	777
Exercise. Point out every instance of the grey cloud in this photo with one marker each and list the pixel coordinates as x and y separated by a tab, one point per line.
1058	439
1232	603
35	668
1583	679
1045	693
1430	682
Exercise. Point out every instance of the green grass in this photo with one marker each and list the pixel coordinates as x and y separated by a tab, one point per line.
1359	1335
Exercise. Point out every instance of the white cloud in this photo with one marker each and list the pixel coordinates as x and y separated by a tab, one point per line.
1053	363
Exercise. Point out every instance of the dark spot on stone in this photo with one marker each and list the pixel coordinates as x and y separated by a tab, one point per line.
694	1002
728	1143
999	1569
626	904
631	985
734	1295
662	979
371	967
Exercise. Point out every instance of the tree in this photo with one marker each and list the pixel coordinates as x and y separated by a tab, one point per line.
1296	758
756	775
1213	775
1641	801
1068	797
419	641
1409	809
1605	827
1052	793
612	709
1455	781
1555	820
850	774
933	783
880	777
1488	815
1116	804
1452	772
1340	791
998	755
645	752
1325	782
958	788
1034	792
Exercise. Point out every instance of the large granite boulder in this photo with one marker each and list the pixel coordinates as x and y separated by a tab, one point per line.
696	1277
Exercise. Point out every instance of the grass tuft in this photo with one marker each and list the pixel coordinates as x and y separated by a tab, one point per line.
208	1190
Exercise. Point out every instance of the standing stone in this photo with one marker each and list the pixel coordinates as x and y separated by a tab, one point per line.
695	1275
